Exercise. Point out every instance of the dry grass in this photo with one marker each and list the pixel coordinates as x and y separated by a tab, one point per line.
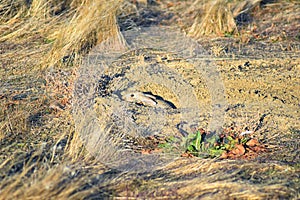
42	156
40	35
218	17
67	28
93	23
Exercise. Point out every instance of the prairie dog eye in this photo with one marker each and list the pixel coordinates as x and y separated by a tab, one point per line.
132	95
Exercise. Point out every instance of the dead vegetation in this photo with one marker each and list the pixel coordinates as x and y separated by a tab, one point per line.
218	19
228	18
41	44
62	30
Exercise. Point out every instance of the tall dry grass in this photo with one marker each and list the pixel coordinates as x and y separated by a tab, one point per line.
41	34
93	22
218	17
45	33
65	27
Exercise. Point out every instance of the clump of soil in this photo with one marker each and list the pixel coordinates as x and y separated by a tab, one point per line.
237	145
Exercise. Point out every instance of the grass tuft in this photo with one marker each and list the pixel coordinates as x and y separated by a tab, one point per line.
92	23
218	18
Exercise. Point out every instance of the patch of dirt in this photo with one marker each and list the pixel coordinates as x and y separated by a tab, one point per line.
259	97
176	93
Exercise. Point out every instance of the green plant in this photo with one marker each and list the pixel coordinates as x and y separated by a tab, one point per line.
197	145
229	144
168	145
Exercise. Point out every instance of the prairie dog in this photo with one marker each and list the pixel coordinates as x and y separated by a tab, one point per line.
146	100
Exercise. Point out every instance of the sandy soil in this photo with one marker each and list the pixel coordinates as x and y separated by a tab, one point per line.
262	96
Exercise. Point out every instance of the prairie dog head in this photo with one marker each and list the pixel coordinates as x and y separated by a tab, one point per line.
140	98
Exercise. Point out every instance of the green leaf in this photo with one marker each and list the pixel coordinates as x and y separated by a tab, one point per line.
227	146
244	140
215	152
230	138
191	148
198	141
